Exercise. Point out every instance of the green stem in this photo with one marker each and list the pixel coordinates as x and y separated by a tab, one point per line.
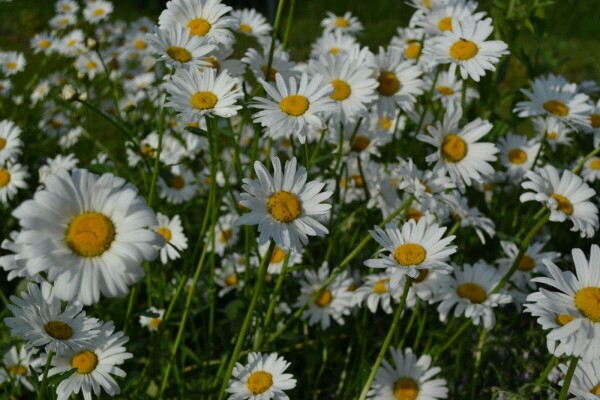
161	130
585	159
564	392
288	25
364	180
478	356
386	342
274	38
463	97
542	378
129	308
456	335
45	376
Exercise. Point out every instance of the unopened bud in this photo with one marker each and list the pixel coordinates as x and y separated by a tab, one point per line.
69	93
91	43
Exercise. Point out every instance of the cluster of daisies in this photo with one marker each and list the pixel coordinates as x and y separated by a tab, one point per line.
196	174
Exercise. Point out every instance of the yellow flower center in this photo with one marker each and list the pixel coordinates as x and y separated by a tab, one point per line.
90	234
98	12
410	254
380	287
427	4
85	361
341	90
214	63
587	301
526	264
563	319
423	273
412	50
445	24
415	214
231	280
472	292
294	105
334	50
225	236
154	323
552	135
406	389
385	123
245	28
564	204
140	44
278	255
594	163
177	182
454	148
11	65
272	73
4	178
179	54
58	330
388	84
445	90
203	100
463	50
358	180
284	206
259	382
91	65
517	156
324	299
342	22
199	26
556	107
165	232
44	44
17	370
596	390
360	143
595	120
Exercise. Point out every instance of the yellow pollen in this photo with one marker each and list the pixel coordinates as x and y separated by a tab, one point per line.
358	180
44	44
11	65
284	206
177	182
564	204
278	255
245	28
552	135
526	264
17	370
272	73
165	232
406	389
90	234
134	56
85	362
445	24
64	21
225	236
98	12
517	156
214	63
194	125
360	143
324	299
231	280
341	90
91	65
423	273
259	382
334	50
596	390
385	123
204	100
58	330
412	50
147	150
556	107
294	105
563	319
587	301
380	287
342	22
140	44
179	54
388	84
427	4
463	50
454	148
4	178
415	214
594	163
445	90
71	43
199	26
595	120
154	323
410	254
472	292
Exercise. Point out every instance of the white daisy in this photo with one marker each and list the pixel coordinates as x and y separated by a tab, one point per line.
152	318
531	262
62	21
261	378
332	43
226	234
591	169
294	107
470	216
284	206
97	10
220	60
178	48
346	23
258	62
554	130
15	366
278	257
89	233
179	187
43	43
517	154
9	263
439	16
88	64
448	89
10	141
66	6
586	380
72	44
175	240
376	290
12	178
566	196
12	62
228	276
415	247
58	163
251	23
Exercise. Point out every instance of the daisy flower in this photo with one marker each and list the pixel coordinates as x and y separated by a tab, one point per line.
58	163
414	247
469	292
180	187
465	46
178	48
277	258
175	240
89	65
591	169
220	60
586	380
408	378
333	303
376	290
89	233
12	178
43	43
531	262
62	21
16	363
346	23
554	130
439	16
152	318
194	93
258	63
39	318
202	17
72	44
284	206
332	43
227	277
95	365
261	378
422	184
567	196
9	263
10	141
458	151
517	154
226	234
470	216
66	6
448	90
12	62
251	23
97	10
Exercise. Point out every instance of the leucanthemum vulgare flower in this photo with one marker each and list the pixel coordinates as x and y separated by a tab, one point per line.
469	292
531	262
177	48
414	247
333	304
458	151
10	141
95	364
88	64
229	276
12	62
8	262
278	257
62	21
194	94
226	234
438	15
517	154
572	309
470	216
408	378
295	106
12	178
152	318
408	42
261	378
566	195
422	184
425	287
39	318
591	170
280	64
448	89
58	163
284	206
179	187
15	366
375	291
347	23
251	23
175	240
203	18
88	233
66	6
554	130
586	380
72	44
332	43
97	10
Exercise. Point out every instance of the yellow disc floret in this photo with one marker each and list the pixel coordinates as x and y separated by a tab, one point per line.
410	254
587	301
517	156
556	107
179	54
463	50
4	178
388	83
259	382
454	148
84	361
199	26
472	291
58	330
294	105
204	100
564	204
284	206
90	234
341	90
406	389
